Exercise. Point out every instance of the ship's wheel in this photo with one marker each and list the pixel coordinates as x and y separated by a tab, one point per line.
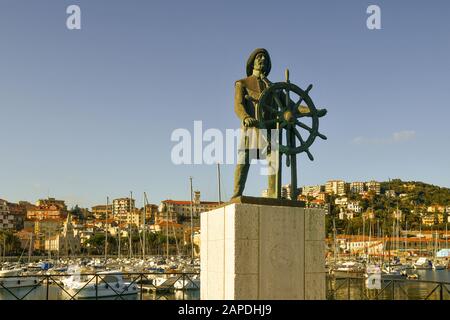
290	109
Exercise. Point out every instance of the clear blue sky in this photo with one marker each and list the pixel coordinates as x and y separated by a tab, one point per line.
89	113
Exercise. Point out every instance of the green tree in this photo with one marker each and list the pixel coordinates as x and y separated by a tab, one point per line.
9	243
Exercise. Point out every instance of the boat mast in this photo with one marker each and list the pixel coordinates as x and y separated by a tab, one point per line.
368	244
192	221
446	237
167	233
383	236
394	234
406	235
175	235
378	237
363	237
334	239
106	230
29	248
119	233
144	227
4	247
129	225
397	230
420	237
435	244
49	254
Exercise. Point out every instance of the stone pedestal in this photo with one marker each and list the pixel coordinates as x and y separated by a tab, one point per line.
261	251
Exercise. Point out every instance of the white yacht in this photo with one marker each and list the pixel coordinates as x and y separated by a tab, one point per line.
12	279
349	269
189	283
423	264
166	282
386	273
438	265
372	269
393	272
110	284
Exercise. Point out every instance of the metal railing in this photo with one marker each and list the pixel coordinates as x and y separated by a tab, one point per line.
138	286
355	288
141	286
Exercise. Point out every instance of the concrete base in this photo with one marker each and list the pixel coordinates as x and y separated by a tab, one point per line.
258	252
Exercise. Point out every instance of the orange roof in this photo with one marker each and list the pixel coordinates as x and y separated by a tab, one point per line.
166	223
102	206
50	220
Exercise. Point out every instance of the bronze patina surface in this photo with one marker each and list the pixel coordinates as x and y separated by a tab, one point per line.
260	104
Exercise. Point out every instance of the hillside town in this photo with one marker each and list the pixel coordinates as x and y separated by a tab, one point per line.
350	200
49	227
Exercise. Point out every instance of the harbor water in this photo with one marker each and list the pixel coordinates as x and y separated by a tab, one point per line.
57	293
425	288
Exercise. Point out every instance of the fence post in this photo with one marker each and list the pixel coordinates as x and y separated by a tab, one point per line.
48	281
142	285
393	289
348	289
363	289
183	281
96	286
441	292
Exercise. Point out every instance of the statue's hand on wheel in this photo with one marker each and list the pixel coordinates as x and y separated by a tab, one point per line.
250	122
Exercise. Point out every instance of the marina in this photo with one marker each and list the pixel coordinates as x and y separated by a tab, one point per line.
83	278
157	278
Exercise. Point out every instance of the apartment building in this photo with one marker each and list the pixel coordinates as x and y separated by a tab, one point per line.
357	187
374	187
336	187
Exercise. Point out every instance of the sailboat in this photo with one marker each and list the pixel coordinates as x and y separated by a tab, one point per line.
423	264
13	279
437	265
111	284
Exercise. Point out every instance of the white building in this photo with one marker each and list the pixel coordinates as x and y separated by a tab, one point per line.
343	201
286	192
357	187
312	191
183	208
346	215
390	193
354	206
122	208
7	221
373	186
359	244
336	187
67	242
